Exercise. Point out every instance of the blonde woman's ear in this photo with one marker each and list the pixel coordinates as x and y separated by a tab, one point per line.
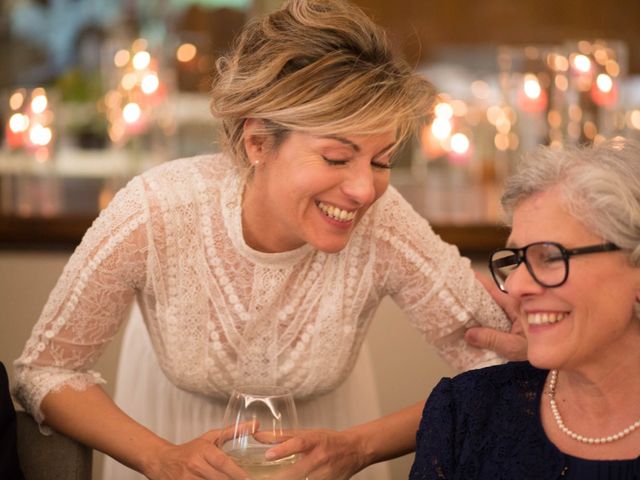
254	140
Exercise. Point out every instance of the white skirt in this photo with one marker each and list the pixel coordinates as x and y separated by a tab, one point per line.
147	395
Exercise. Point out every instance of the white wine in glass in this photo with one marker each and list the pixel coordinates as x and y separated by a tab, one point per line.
256	419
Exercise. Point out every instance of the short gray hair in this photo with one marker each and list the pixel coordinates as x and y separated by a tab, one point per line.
600	185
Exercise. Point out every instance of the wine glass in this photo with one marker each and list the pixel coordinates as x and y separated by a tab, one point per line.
257	418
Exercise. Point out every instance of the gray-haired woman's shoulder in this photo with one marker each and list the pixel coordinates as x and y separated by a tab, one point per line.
497	376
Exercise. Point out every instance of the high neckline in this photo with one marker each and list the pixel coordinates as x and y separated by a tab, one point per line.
231	204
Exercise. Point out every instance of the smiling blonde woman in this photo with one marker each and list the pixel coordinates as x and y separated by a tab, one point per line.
260	265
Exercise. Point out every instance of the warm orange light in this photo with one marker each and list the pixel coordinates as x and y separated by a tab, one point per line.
39	103
131	112
480	89
613	68
460	143
501	141
531	86
139	44
443	110
604	97
39	135
441	128
554	118
604	82
561	82
150	83
460	108
18	122
16	100
121	58
141	60
582	63
186	52
129	81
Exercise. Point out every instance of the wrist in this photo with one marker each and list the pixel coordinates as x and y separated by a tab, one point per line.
150	462
363	447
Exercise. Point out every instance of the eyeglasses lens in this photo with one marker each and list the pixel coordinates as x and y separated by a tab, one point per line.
503	262
545	262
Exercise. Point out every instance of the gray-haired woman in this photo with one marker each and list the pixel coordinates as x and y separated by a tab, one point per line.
572	262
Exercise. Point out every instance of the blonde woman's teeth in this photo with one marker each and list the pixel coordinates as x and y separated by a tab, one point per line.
544	318
336	213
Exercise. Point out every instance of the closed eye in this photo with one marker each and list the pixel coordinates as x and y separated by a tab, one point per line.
334	162
385	159
382	165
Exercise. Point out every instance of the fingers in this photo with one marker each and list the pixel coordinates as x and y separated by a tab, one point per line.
224	467
290	447
234	431
509	345
212	463
211	436
321	455
269	438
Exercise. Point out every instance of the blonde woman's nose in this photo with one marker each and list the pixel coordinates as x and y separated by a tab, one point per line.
359	185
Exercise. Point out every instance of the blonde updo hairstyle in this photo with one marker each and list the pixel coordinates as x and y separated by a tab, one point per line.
600	187
318	66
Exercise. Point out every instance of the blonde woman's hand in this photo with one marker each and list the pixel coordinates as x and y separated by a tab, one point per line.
197	459
510	345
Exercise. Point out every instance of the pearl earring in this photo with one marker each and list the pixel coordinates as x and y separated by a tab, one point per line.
256	162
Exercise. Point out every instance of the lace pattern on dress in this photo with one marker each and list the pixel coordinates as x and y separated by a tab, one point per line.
74	327
220	313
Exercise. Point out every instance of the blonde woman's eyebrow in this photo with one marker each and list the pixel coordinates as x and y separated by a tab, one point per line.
346	141
357	148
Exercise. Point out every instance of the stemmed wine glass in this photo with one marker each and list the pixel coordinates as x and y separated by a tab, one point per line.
257	418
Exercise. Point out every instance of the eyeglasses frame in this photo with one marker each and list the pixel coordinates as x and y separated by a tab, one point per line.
567	253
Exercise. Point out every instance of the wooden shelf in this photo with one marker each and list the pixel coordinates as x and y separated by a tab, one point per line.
65	233
41	233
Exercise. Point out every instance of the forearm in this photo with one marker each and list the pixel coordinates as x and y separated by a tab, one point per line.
91	417
389	437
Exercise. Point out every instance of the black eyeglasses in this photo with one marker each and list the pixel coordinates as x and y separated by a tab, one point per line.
547	262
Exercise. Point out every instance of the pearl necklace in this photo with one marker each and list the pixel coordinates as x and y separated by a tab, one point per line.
581	438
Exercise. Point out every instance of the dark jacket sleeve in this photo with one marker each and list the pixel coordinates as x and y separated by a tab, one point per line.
9	465
435	438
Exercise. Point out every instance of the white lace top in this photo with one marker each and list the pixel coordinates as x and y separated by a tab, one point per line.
220	313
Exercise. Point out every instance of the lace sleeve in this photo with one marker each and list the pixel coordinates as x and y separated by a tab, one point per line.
435	438
434	285
89	302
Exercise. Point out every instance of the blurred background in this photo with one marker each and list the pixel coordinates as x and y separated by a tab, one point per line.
93	92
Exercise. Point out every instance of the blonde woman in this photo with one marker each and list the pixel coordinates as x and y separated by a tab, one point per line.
263	264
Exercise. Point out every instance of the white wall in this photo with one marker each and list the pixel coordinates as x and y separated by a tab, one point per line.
406	368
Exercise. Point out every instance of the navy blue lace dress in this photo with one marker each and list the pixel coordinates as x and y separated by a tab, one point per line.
485	424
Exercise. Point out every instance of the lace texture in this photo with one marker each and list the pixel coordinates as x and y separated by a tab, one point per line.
486	424
220	313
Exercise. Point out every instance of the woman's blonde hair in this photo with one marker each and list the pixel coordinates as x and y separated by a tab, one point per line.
319	66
